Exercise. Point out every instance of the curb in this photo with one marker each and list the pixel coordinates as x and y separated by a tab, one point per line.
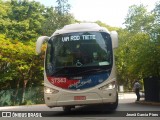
148	103
6	107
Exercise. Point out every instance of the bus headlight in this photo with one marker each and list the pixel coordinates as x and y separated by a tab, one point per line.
108	86
48	90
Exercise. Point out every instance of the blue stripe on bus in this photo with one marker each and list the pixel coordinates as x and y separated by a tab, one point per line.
89	81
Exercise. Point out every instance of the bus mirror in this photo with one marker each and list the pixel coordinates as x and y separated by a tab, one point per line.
114	37
39	43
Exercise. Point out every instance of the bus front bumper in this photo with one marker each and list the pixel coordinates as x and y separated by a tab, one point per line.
80	99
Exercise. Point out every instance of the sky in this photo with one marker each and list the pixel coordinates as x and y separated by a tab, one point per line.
111	12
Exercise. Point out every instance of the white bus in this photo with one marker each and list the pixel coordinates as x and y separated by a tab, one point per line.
79	66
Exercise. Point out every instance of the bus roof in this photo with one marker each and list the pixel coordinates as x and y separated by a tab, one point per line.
80	27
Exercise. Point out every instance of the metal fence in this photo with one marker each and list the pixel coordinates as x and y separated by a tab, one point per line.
34	95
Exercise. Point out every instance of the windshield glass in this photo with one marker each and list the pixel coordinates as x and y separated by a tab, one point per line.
72	53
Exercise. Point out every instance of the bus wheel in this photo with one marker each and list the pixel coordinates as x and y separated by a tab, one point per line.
67	108
114	105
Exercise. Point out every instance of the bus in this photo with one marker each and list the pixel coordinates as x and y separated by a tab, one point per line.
79	66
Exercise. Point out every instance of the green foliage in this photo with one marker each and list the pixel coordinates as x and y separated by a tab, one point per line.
33	95
21	22
17	59
6	95
63	7
138	19
157	12
24	20
56	21
107	26
19	63
57	18
138	54
127	56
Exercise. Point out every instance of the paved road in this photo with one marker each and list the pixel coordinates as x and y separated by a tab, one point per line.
126	105
124	99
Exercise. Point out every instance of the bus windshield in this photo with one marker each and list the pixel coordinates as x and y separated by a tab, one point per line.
78	52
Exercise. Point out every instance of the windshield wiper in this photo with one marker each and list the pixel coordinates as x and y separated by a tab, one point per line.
61	71
93	71
72	71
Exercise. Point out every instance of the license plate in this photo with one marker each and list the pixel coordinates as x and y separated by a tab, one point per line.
79	97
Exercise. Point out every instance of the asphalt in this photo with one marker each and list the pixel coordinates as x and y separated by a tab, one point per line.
127	95
132	95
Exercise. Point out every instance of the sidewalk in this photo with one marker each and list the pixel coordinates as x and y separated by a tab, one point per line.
127	95
132	95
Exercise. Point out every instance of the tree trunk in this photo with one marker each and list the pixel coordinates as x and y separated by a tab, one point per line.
16	92
23	91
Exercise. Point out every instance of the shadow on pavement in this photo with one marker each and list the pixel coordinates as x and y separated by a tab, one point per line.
83	111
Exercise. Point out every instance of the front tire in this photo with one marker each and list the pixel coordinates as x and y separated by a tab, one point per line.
68	108
114	105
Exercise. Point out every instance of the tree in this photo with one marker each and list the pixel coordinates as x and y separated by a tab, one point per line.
138	19
57	18
23	20
156	28
63	7
4	19
157	12
21	23
19	66
137	56
107	26
126	56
